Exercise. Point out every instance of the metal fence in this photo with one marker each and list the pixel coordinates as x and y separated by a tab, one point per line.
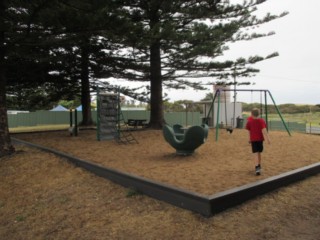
183	118
313	128
56	117
40	118
292	126
308	127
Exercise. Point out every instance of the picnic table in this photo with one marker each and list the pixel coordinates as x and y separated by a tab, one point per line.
137	122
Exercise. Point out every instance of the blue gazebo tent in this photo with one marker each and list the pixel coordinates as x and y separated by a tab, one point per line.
79	108
59	108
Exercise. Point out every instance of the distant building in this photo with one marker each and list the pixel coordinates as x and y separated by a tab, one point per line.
228	111
16	111
224	95
133	108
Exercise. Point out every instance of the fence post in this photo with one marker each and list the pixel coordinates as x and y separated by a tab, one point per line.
75	122
218	112
310	127
270	125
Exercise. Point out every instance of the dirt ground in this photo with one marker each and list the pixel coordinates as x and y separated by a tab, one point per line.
215	166
44	197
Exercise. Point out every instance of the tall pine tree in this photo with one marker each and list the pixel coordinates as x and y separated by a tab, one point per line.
172	41
160	42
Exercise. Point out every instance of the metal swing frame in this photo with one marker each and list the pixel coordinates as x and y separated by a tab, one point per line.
266	92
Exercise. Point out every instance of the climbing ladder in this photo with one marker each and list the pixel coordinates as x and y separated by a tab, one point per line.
110	120
124	133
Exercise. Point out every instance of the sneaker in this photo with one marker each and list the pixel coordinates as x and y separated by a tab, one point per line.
258	170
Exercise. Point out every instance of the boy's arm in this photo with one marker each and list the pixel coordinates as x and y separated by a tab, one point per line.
248	128
249	136
266	135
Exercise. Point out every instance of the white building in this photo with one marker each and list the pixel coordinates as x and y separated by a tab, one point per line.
228	113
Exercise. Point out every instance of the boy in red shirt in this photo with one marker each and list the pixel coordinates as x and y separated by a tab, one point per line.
257	134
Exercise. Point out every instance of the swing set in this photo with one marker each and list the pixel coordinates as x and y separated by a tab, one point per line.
263	94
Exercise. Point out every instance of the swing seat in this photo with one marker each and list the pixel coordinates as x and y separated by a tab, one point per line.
229	129
185	143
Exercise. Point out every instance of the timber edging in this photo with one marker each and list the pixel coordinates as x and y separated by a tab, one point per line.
202	204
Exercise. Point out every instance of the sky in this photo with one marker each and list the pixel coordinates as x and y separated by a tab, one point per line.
293	76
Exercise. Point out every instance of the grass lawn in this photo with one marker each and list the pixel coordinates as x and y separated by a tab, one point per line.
39	128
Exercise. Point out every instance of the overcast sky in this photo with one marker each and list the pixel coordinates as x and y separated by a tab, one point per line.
294	76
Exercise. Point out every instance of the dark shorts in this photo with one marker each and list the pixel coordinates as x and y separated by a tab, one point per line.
257	146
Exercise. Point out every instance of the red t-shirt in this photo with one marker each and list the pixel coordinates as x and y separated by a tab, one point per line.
255	126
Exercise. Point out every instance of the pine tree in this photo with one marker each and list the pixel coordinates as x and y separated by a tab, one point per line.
173	41
19	30
163	43
65	49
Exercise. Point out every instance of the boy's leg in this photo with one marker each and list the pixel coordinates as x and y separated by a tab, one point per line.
259	158
258	166
256	158
257	148
257	162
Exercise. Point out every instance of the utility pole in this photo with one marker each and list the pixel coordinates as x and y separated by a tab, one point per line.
234	94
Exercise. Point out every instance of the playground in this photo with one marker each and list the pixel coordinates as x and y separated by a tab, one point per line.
45	197
214	167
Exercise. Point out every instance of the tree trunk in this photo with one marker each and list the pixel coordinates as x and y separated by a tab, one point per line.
85	87
156	104
6	147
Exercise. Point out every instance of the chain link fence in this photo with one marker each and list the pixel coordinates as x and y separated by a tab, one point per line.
303	127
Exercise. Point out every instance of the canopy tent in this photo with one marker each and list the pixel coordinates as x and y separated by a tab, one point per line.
59	108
